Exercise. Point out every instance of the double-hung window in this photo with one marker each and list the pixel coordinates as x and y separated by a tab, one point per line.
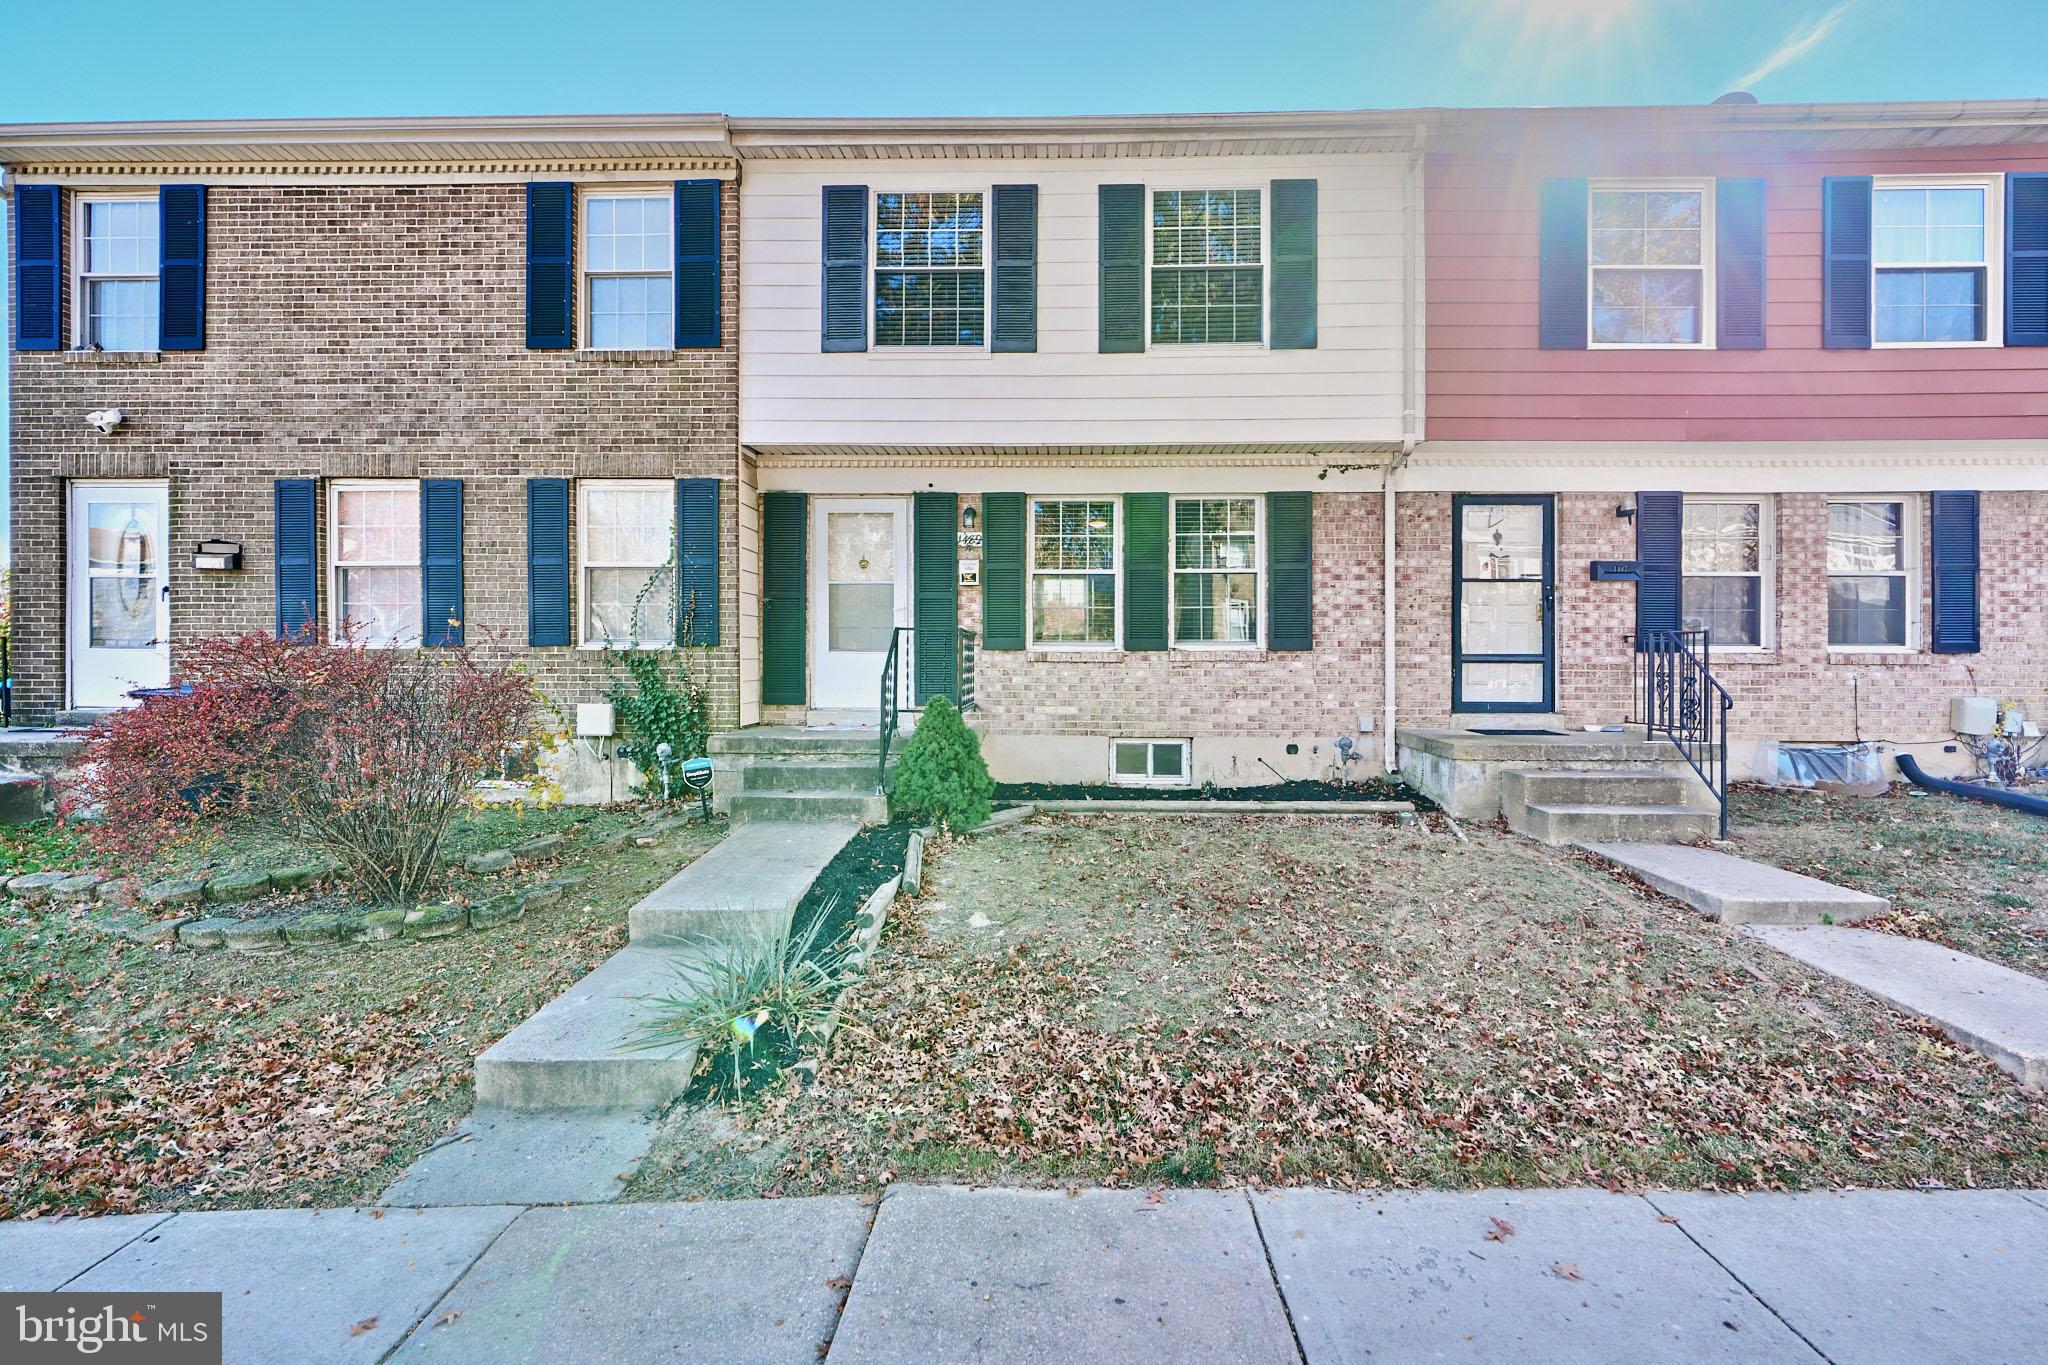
118	257
1208	258
1073	571
374	553
1871	556
1726	560
629	286
1651	264
626	531
1933	246
931	281
1216	571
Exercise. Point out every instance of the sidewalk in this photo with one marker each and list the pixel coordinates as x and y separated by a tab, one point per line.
938	1273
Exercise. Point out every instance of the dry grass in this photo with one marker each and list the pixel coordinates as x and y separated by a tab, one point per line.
1304	1000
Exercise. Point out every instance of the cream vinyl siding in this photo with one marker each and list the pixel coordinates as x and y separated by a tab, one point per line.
1348	389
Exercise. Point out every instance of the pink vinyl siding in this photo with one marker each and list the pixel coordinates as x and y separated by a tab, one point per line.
1489	381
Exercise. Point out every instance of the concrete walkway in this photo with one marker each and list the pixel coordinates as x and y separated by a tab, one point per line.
1736	890
948	1273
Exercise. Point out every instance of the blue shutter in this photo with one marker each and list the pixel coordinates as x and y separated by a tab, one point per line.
1294	265
1561	290
843	306
1660	577
1955	573
697	264
441	561
697	561
1120	268
550	266
1845	262
547	561
1016	268
181	268
38	268
298	569
2026	258
1740	269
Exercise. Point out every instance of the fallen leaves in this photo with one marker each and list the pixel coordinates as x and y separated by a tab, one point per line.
1565	1270
1501	1230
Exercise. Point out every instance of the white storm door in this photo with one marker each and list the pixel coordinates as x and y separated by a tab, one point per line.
860	593
120	609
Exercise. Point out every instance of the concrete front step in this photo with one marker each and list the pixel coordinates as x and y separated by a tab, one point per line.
745	888
871	808
800	741
831	774
573	1053
1594	787
1738	891
1577	824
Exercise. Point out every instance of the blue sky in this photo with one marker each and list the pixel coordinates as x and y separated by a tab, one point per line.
121	59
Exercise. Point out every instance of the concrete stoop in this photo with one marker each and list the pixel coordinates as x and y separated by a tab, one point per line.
1736	890
798	772
1572	805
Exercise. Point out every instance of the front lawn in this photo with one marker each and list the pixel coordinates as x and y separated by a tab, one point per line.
1357	1002
144	1078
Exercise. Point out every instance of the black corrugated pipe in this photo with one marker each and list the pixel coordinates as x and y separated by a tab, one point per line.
1996	796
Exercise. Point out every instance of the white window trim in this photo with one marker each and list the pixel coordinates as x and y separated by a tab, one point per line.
1265	341
988	262
1909	531
1186	778
1709	292
580	591
1032	572
1993	263
1258	642
335	488
1766	571
81	306
585	194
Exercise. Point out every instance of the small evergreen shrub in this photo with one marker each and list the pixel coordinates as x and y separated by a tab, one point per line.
942	776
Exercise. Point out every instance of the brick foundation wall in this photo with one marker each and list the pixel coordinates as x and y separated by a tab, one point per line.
365	331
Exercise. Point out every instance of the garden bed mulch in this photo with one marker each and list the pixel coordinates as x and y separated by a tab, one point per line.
1371	789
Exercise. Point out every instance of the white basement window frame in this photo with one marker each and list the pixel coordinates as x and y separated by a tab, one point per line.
373	562
116	294
629	561
1150	762
1206	538
1854	554
1181	243
1067	547
933	246
1899	249
627	259
1706	558
1635	245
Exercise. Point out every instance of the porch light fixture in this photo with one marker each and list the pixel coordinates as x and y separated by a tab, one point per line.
1625	511
969	518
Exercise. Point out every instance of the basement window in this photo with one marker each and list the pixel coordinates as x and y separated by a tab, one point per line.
1148	762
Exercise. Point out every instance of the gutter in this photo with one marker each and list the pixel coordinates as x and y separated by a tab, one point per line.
1411	429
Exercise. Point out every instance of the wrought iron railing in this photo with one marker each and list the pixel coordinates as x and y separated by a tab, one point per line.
897	664
6	678
1681	701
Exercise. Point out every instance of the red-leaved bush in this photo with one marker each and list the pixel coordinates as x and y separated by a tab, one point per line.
363	754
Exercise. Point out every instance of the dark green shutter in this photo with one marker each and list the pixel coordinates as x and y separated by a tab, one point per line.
843	305
298	572
38	268
784	519
1740	270
181	267
1954	546
1561	266
441	561
1145	572
547	561
1016	266
697	561
1290	555
697	264
935	606
1120	284
550	266
1002	570
2026	258
1294	265
1660	577
1845	282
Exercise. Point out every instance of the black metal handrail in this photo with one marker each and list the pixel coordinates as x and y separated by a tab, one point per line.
1683	702
966	649
891	689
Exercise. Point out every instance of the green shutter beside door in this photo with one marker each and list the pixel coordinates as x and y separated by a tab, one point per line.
1002	570
935	604
784	517
1145	572
1290	545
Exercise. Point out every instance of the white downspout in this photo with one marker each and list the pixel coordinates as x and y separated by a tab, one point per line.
1411	430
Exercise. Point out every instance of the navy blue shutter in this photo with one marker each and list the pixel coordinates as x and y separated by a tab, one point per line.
547	561
1955	573
298	567
2026	258
1294	265
1660	580
697	264
1016	267
697	561
1740	268
843	306
1845	262
1561	289
441	561
551	266
181	267
38	268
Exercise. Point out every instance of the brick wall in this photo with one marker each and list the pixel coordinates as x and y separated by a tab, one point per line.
365	331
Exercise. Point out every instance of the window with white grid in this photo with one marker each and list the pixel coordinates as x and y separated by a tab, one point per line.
1934	256
1216	571
1208	267
629	271
1650	255
374	547
930	269
1727	570
1871	557
1073	571
626	531
118	258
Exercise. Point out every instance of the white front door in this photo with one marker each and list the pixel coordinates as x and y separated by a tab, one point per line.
860	593
120	612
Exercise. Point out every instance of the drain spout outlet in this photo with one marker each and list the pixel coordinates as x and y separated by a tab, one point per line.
1972	791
